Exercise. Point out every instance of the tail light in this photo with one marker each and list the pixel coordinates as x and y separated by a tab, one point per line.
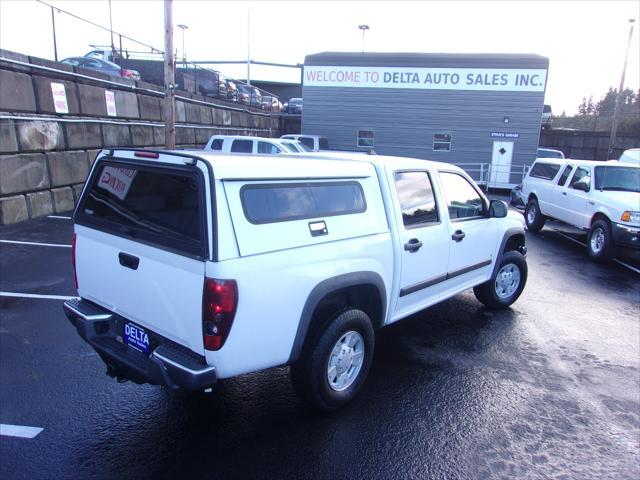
219	303
73	260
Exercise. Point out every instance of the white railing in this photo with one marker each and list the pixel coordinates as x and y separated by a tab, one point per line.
495	176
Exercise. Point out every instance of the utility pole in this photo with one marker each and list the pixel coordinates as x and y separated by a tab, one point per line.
55	44
616	108
169	105
113	47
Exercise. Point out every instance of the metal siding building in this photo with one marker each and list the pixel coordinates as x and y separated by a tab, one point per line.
404	118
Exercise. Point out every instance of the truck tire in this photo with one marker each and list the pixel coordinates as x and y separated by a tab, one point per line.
600	241
506	284
533	216
335	364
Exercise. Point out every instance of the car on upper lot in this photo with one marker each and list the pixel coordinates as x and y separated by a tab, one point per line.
314	142
246	144
232	90
631	156
600	198
294	105
249	95
102	66
549	153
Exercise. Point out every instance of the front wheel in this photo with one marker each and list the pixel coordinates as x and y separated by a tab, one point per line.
506	284
600	241
334	366
533	216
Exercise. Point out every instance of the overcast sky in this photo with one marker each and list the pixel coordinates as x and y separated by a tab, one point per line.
584	40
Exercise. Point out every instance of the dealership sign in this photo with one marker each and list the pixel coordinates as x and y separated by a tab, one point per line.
491	79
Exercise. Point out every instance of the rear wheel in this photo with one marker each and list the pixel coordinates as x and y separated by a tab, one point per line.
600	241
533	216
334	366
506	284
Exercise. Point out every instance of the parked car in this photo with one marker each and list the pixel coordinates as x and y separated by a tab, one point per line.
631	156
546	116
245	144
517	198
249	95
601	198
549	153
232	90
271	104
102	66
192	268
314	142
294	105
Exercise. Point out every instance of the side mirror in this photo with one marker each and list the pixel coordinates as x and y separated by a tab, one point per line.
498	209
582	184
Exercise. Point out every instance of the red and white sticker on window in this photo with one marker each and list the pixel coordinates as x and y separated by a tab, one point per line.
110	98
59	98
117	180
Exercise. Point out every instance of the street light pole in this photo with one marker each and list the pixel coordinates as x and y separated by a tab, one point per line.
184	53
248	46
616	108
55	43
364	28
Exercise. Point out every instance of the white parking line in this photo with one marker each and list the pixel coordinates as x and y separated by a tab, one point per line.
59	217
632	268
19	431
35	295
17	242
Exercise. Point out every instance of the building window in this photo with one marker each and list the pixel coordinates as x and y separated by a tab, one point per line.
442	142
365	138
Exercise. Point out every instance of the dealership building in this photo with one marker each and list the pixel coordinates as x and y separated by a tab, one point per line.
480	111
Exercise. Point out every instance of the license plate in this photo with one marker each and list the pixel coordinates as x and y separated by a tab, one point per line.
136	337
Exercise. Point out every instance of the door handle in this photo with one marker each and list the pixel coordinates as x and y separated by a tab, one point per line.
564	193
413	245
128	261
458	236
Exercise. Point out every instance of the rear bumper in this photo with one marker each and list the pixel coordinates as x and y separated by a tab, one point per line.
169	364
626	236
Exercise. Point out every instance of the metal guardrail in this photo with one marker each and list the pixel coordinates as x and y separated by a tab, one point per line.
495	176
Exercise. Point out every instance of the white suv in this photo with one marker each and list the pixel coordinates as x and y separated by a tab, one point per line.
246	144
602	198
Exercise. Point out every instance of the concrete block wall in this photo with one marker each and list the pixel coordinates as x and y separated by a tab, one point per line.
46	156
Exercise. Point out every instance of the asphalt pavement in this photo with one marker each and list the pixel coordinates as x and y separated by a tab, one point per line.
549	388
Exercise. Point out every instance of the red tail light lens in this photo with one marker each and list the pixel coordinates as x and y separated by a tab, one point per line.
73	260
219	303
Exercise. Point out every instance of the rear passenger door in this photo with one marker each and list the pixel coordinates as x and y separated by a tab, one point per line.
473	236
424	240
557	206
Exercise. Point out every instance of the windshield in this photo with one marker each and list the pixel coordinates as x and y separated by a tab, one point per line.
625	179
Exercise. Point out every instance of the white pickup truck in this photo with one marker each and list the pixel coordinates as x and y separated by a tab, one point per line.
194	267
601	198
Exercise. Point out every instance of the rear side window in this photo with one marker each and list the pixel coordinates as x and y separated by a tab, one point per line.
161	206
268	203
417	201
545	171
264	147
306	141
242	146
565	174
216	144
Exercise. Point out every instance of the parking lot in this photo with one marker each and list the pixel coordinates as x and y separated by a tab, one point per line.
547	389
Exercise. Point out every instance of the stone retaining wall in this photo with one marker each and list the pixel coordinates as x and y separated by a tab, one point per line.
45	155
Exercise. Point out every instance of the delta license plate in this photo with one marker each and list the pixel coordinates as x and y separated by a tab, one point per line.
136	337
